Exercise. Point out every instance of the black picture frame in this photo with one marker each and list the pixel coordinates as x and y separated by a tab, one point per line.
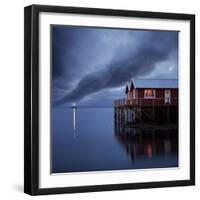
31	98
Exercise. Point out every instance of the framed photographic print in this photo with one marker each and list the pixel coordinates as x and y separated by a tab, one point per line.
109	100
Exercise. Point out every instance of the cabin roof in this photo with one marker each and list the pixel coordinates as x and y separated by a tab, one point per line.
156	83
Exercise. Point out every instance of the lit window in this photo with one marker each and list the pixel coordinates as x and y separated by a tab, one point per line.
149	93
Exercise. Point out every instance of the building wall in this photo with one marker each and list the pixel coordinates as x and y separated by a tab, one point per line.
174	93
160	93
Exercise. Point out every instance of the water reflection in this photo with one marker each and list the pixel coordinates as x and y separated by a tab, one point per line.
147	141
105	145
74	119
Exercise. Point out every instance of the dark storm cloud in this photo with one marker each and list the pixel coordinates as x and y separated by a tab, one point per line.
76	50
119	57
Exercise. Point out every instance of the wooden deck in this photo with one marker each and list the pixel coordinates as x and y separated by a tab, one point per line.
141	102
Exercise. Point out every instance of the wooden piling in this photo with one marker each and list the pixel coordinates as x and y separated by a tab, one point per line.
134	112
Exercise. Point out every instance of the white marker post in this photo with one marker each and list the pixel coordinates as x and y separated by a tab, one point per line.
74	117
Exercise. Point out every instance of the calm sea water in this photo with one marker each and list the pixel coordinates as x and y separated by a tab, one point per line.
91	141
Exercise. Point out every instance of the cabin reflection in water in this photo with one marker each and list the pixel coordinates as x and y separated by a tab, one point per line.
148	142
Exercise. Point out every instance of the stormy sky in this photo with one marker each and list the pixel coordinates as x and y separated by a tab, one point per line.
90	66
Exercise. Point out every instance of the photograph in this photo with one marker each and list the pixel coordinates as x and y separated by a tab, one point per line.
109	99
114	99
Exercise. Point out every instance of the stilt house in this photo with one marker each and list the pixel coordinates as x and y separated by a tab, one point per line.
149	99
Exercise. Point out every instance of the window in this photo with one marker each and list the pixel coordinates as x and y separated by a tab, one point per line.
149	93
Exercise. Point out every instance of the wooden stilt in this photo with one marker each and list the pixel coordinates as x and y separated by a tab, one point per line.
153	112
168	113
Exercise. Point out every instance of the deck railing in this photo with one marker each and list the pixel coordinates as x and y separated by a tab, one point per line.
146	102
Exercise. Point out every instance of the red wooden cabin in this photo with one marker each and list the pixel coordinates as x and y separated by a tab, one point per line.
150	92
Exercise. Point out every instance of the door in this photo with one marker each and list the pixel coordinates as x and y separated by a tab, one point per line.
167	96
